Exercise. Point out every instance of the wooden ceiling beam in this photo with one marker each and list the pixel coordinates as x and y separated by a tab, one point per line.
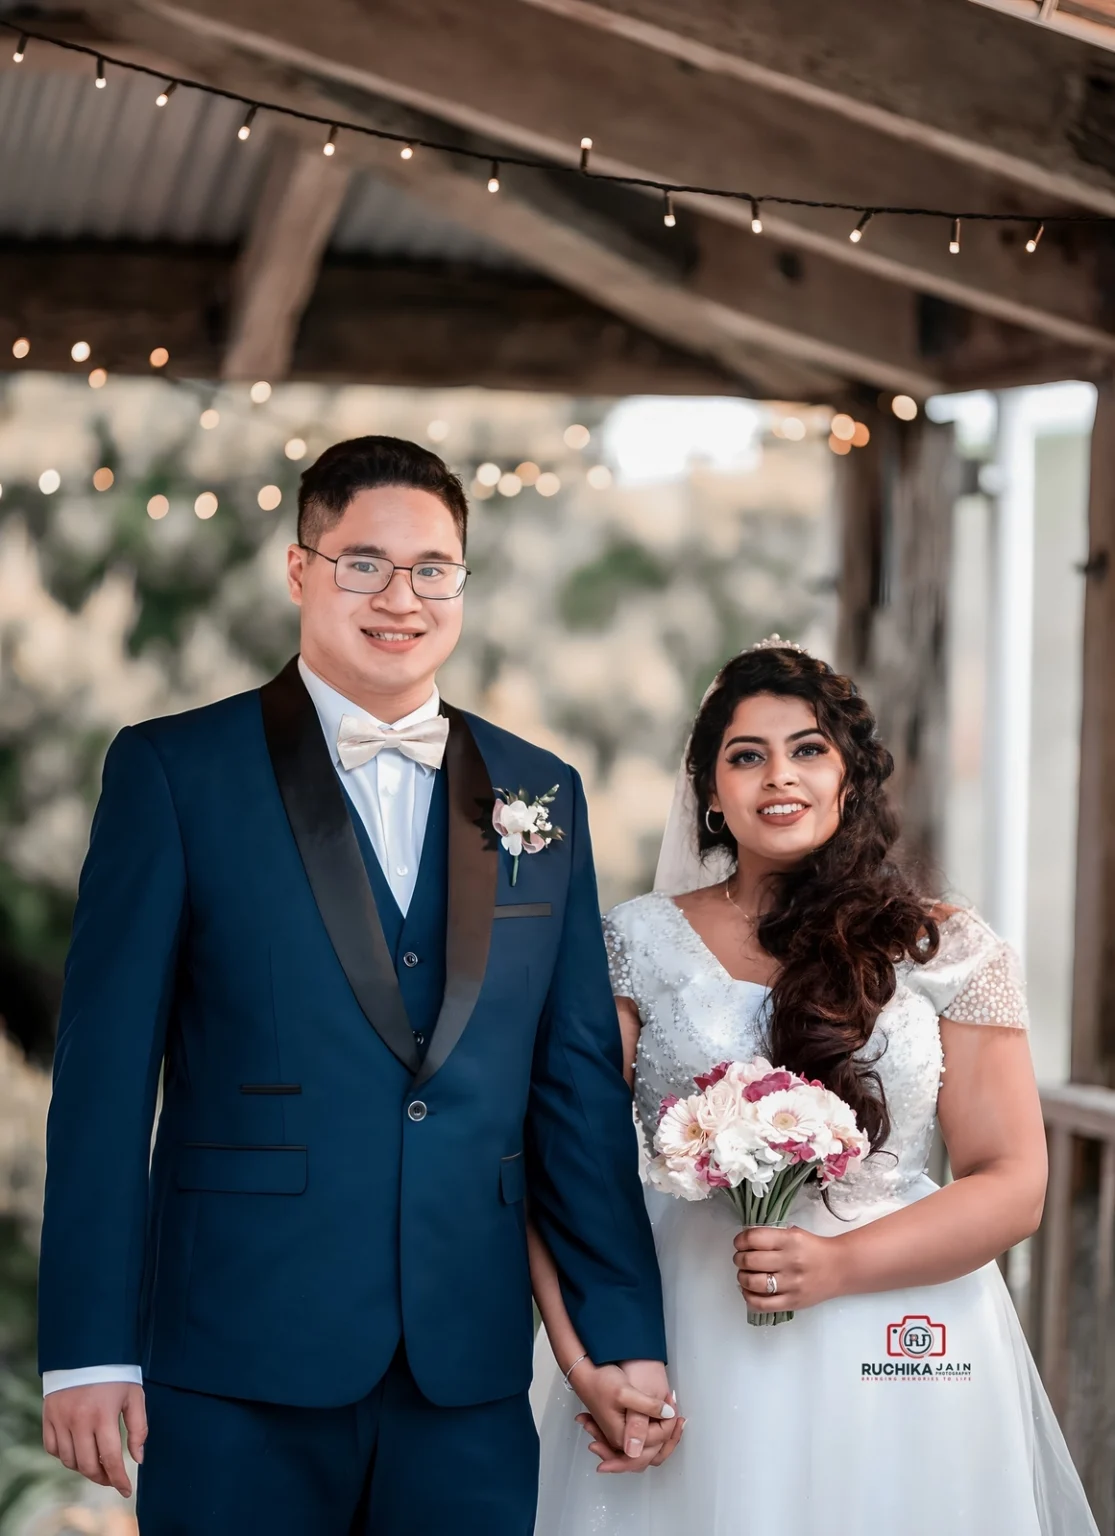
278	265
526	77
371	323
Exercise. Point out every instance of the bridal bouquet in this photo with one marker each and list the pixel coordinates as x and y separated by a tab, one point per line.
759	1133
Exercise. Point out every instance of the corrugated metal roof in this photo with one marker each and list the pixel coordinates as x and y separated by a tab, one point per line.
378	219
81	163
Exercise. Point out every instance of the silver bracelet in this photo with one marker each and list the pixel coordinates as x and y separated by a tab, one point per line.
580	1360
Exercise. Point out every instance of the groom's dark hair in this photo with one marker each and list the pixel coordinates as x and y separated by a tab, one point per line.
366	464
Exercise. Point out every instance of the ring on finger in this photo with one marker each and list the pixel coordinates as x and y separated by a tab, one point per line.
772	1285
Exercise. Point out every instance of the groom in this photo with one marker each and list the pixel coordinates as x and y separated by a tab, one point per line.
372	1048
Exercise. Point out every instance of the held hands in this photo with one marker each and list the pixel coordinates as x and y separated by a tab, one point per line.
81	1426
806	1267
631	1420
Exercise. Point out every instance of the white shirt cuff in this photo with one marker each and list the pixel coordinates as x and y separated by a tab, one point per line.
90	1376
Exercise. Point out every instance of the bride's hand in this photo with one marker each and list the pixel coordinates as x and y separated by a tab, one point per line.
609	1397
806	1267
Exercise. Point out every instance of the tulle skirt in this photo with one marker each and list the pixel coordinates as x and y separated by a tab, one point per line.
907	1413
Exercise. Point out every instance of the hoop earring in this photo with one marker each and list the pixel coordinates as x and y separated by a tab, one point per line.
715	831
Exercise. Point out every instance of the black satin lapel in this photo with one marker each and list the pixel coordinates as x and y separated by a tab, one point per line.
473	870
319	819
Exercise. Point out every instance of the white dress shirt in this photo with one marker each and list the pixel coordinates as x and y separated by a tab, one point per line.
392	795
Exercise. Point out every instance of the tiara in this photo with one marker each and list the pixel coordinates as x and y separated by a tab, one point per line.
776	643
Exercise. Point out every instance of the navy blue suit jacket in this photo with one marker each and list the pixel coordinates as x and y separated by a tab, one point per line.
321	1186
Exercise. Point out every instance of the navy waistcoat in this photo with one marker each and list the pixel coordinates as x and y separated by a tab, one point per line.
416	942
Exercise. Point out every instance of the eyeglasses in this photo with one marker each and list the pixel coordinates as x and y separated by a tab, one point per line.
434	580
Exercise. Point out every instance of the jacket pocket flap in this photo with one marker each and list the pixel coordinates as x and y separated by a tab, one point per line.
512	1180
524	909
242	1170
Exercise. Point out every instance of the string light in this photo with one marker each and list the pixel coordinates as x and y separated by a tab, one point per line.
1034	221
205	505
269	497
599	477
260	391
843	427
488	474
159	357
576	436
330	145
49	481
209	419
905	407
20	347
98	378
295	448
669	218
509	484
103	479
80	351
158	507
547	484
857	234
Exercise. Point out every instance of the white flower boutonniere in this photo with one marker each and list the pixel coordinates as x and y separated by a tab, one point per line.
524	825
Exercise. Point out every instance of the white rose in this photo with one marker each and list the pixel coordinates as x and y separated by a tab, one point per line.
677	1176
719	1105
519	817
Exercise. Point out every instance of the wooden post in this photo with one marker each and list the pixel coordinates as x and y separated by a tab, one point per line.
897	500
1093	1006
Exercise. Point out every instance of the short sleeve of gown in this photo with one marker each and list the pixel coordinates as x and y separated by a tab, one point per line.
975	977
621	960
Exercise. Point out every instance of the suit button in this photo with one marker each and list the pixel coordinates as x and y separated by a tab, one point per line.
420	1040
410	959
417	1111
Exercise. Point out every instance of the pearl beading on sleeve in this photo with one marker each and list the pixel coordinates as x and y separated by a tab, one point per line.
994	994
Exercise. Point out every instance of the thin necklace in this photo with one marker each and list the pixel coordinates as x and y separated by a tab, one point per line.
747	916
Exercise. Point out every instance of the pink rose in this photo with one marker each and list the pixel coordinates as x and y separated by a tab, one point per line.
707	1079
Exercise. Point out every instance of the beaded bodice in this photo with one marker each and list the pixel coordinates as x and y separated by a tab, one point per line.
694	1014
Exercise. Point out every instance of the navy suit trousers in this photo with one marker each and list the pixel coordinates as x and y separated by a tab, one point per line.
392	1464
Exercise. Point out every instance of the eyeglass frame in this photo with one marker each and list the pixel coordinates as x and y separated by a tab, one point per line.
335	560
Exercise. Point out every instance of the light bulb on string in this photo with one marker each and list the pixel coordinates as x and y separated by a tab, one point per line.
246	126
586	150
493	177
166	93
756	217
857	234
330	145
101	82
407	152
1035	239
669	217
20	49
954	241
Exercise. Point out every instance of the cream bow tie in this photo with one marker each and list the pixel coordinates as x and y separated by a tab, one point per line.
359	740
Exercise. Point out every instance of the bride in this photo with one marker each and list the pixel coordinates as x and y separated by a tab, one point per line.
902	1397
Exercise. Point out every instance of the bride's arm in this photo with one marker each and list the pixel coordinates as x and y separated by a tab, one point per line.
604	1390
990	1118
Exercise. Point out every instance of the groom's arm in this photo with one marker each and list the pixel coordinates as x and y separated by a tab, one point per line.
586	1198
115	1005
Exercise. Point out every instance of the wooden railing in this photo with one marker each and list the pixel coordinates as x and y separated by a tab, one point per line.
1067	1301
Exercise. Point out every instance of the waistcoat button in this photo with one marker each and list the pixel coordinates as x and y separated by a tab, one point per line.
417	1111
410	959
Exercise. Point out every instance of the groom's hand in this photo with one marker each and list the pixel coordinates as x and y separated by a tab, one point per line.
81	1426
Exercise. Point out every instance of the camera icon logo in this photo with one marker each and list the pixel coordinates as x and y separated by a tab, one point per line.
915	1338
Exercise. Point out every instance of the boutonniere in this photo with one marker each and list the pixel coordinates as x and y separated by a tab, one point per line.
524	826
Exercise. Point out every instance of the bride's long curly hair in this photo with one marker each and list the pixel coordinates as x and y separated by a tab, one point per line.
841	920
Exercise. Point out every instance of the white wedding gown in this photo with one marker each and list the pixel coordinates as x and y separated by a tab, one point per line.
813	1425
